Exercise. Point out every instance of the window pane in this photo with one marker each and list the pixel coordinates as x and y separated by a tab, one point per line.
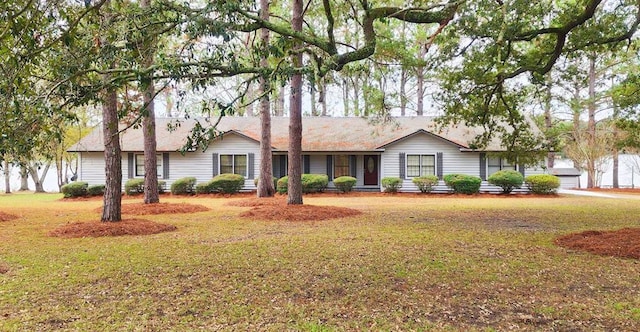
139	165
240	164
507	165
341	166
493	162
159	165
226	163
428	165
413	165
493	169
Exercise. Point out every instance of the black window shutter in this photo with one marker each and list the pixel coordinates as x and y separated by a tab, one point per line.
483	166
306	164
439	162
251	166
283	165
215	164
353	170
130	164
521	169
330	167
165	165
403	169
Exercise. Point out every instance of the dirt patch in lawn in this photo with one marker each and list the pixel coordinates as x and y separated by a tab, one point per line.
7	217
139	209
276	208
100	229
4	268
621	243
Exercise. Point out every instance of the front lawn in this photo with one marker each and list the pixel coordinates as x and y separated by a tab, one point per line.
409	262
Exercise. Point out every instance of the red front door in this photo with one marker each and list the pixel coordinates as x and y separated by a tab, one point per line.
371	170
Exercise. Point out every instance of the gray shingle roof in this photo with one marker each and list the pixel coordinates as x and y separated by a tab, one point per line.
319	134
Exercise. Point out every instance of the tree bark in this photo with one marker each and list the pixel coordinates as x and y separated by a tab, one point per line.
591	124
403	92
548	124
295	115
112	210
24	178
38	179
151	194
7	177
265	183
323	96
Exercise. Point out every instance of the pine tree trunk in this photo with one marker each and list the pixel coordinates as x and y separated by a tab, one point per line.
323	96
548	124
403	92
295	116
279	104
112	158
591	124
265	183
151	194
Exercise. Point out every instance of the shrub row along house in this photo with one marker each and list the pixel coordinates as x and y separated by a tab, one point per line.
405	147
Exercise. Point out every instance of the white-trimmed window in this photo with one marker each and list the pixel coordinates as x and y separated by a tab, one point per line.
421	165
341	166
139	165
495	164
234	164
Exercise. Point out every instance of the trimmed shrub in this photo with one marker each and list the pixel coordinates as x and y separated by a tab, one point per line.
313	183
227	183
183	186
507	180
203	188
425	183
275	182
391	184
162	186
344	183
282	185
463	184
542	183
75	189
95	190
134	186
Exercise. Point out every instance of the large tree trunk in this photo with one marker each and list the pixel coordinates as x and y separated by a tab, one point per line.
295	116
24	178
7	177
591	124
345	96
149	124
323	96
548	124
38	180
112	158
265	183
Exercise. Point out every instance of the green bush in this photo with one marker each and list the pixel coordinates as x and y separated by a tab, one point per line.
203	188
75	189
282	185
463	184
183	186
426	183
162	186
95	190
313	183
391	184
507	180
344	183
542	183
275	182
134	186
227	183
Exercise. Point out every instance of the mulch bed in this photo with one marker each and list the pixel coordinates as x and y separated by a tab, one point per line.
276	208
621	243
99	229
139	209
7	217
